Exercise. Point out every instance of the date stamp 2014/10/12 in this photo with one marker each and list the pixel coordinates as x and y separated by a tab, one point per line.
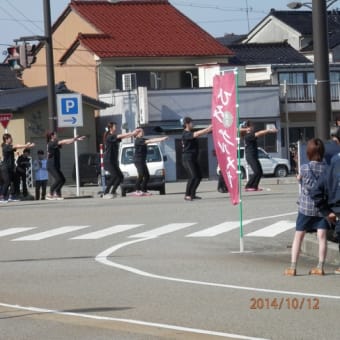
288	303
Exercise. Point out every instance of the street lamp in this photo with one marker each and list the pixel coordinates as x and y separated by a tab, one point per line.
321	62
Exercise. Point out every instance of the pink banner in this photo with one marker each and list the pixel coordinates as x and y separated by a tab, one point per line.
224	120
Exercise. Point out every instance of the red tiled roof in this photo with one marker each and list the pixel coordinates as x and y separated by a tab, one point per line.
148	28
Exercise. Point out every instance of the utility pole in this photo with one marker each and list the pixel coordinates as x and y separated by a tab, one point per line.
321	68
52	104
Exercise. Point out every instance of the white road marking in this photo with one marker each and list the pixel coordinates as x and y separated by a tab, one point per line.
166	229
274	229
12	231
106	232
131	322
218	229
230	226
103	258
50	233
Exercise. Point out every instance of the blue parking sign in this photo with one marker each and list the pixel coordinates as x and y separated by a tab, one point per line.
70	109
69	106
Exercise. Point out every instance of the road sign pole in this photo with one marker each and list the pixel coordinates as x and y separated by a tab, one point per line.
75	133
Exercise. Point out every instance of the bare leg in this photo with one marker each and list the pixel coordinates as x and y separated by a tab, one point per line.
296	247
322	237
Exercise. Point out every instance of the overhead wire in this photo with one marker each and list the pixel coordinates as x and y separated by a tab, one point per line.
106	75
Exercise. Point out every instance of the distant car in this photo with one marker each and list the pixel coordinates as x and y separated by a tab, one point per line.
271	166
155	161
89	169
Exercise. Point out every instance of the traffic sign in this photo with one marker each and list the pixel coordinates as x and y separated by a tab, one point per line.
5	118
70	110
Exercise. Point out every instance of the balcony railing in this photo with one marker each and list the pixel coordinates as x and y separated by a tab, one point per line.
305	93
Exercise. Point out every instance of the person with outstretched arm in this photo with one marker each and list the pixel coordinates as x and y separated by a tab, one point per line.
53	163
8	166
140	155
190	152
251	152
111	163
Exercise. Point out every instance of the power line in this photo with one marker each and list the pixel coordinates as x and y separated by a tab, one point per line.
106	75
217	8
15	19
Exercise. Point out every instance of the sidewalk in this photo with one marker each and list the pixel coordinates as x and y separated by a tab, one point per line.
174	187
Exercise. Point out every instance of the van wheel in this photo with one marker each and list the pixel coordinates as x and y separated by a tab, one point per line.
281	171
123	192
162	190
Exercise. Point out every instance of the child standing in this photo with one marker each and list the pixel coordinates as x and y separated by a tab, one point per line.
41	175
309	217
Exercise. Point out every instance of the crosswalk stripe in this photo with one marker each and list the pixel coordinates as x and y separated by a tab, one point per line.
218	229
12	231
273	230
106	232
50	233
166	229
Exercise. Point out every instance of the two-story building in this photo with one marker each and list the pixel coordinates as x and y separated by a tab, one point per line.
104	46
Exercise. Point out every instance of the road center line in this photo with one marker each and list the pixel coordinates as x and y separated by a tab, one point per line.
131	322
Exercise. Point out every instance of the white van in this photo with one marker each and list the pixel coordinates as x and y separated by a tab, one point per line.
155	161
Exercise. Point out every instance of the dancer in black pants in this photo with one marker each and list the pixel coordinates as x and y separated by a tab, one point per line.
190	151
111	163
141	151
8	166
251	151
53	163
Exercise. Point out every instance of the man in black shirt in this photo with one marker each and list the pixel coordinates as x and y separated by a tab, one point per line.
23	163
8	165
251	151
111	162
190	152
141	151
53	163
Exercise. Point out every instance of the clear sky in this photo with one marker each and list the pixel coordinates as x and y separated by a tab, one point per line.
25	17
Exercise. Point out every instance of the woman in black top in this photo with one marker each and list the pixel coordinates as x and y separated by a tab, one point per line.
111	163
141	151
8	165
251	151
53	163
190	151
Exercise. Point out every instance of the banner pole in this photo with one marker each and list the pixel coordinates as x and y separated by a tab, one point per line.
239	164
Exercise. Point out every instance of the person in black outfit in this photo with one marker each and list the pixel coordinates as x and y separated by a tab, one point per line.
111	163
251	151
53	163
190	152
8	166
141	151
23	163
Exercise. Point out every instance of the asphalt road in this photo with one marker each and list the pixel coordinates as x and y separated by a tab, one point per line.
160	268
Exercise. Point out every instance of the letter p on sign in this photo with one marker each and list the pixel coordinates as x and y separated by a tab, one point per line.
69	106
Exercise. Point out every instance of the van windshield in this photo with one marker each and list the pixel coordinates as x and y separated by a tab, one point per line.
153	154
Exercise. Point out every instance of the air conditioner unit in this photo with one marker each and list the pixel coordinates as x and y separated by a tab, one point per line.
129	81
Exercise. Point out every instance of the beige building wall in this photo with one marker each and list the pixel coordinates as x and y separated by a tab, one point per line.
80	70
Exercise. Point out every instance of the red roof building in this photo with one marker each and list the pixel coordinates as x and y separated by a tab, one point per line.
150	28
97	42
